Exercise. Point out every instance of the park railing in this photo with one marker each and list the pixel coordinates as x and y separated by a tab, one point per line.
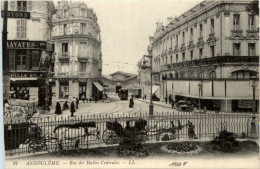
83	132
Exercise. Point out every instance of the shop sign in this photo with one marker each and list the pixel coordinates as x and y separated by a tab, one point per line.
23	44
245	103
16	14
27	74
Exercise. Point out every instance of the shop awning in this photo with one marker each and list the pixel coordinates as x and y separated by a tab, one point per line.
155	88
99	87
23	78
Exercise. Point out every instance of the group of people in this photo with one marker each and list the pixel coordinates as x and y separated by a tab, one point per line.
171	101
73	106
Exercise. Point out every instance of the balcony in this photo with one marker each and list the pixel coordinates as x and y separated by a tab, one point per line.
176	50
73	75
64	57
61	75
218	60
183	47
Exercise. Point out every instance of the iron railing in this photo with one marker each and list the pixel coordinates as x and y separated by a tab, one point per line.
40	135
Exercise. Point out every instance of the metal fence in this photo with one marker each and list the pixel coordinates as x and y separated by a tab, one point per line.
82	132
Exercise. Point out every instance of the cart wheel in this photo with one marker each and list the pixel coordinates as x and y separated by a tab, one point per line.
109	137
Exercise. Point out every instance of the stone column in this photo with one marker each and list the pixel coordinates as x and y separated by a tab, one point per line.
89	88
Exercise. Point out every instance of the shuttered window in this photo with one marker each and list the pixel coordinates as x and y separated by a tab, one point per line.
13	5
21	26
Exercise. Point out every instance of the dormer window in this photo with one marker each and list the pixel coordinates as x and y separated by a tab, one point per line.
83	12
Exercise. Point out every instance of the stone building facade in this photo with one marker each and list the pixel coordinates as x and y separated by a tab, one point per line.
77	45
29	49
215	44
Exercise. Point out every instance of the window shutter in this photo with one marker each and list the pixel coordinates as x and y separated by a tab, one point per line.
13	5
29	7
18	28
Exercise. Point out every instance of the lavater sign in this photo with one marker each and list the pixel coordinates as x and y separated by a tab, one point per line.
26	44
15	14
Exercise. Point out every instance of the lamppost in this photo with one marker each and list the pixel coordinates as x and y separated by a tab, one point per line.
144	66
199	85
253	122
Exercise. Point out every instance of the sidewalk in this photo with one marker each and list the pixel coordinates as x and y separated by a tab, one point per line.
159	103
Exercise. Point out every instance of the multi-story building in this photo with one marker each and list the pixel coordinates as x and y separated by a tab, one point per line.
77	45
212	48
29	49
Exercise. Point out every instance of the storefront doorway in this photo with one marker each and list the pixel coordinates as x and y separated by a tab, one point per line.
82	91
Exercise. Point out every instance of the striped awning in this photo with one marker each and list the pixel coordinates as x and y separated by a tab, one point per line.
23	78
99	87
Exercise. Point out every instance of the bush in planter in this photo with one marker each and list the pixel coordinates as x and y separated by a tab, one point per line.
225	142
130	146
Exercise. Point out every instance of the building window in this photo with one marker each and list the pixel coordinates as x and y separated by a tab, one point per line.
201	30
21	5
212	25
21	28
236	19
83	28
171	41
212	75
177	58
166	60
65	29
64	49
65	13
200	53
177	40
183	56
236	49
21	60
83	52
183	37
212	49
251	22
171	59
82	66
35	55
251	49
191	34
64	91
200	75
191	55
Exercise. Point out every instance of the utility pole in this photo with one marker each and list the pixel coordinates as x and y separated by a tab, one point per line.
6	76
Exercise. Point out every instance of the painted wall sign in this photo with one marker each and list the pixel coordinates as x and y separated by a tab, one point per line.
26	44
16	14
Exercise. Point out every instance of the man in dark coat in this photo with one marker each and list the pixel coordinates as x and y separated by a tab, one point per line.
166	99
131	104
58	109
72	108
77	103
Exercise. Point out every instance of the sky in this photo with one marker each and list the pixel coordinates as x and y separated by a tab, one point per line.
126	26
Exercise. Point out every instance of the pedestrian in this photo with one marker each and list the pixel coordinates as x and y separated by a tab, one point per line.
77	102
173	104
166	99
205	109
170	99
58	109
96	98
65	106
72	109
131	103
145	97
106	96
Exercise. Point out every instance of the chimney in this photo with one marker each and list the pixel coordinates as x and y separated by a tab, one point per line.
169	20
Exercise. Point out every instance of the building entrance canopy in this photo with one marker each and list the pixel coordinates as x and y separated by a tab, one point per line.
99	87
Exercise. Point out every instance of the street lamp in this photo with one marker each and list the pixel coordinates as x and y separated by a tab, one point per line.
144	66
253	122
199	85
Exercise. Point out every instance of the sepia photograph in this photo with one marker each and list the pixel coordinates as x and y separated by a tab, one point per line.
130	84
